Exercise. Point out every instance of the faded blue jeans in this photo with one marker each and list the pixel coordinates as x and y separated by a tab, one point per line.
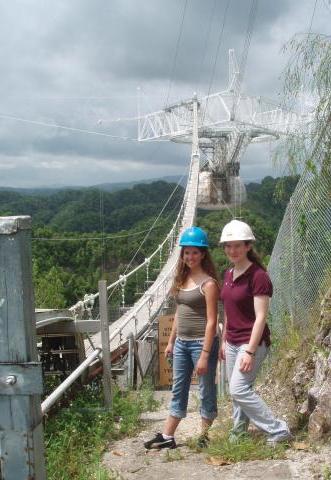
247	405
185	357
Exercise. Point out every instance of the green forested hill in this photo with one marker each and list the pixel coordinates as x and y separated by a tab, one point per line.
79	210
70	252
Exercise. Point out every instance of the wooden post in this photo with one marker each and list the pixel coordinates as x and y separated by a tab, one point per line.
21	433
106	358
136	356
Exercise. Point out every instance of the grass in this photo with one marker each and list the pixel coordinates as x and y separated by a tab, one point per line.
326	472
76	437
251	446
173	455
246	448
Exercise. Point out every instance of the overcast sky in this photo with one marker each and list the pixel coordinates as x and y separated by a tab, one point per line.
78	63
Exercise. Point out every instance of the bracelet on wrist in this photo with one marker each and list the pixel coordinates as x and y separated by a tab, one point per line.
206	351
252	354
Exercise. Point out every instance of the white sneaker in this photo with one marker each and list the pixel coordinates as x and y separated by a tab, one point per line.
272	440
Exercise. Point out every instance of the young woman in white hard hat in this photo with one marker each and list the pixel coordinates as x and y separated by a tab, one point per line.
245	294
193	342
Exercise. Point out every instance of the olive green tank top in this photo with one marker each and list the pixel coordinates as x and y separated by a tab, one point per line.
191	313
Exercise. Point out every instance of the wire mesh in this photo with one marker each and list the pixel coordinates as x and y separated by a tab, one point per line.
300	264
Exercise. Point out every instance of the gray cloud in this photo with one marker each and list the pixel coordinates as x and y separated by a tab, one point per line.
56	58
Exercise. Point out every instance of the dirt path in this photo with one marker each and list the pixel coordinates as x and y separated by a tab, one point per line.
131	461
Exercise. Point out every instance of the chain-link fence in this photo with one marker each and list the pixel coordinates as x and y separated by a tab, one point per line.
300	264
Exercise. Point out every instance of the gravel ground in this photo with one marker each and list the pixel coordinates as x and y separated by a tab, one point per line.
129	460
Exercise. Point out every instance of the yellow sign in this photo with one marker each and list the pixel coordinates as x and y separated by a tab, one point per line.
165	370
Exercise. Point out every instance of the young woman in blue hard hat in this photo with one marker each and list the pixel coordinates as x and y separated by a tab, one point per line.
193	341
246	337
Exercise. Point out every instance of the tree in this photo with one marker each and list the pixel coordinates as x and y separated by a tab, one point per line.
309	73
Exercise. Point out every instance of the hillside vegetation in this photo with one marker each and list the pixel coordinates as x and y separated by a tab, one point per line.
80	236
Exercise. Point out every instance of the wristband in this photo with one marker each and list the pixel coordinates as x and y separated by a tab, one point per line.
252	354
206	351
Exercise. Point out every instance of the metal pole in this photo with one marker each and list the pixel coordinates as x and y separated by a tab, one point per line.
21	432
130	360
292	300
106	358
59	391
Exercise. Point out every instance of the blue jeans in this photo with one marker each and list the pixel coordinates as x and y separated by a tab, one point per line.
247	405
185	357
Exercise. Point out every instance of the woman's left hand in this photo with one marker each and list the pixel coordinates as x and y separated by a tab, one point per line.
246	363
202	366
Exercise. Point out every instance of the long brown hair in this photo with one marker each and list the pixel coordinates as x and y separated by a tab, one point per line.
182	270
253	256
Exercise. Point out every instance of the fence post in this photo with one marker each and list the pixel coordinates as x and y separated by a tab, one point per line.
130	360
293	293
21	432
106	357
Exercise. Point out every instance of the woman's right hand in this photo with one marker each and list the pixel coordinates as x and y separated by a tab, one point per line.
221	352
169	350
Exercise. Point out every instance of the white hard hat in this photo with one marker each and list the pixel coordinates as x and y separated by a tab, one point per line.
235	231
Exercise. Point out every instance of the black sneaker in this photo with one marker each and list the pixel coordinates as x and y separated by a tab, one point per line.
159	442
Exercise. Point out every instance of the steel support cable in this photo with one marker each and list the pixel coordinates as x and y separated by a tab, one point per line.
244	55
312	19
149	232
176	53
155	221
219	43
65	127
212	15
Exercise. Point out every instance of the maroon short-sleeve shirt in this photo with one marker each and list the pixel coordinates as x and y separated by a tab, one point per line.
238	299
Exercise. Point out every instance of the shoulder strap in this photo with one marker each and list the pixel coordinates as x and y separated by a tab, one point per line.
203	282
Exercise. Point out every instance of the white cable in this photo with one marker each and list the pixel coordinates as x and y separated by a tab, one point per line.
155	221
64	127
176	54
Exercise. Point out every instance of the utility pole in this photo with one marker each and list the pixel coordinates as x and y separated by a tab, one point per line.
21	432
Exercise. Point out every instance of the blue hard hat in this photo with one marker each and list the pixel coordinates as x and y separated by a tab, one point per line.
193	237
